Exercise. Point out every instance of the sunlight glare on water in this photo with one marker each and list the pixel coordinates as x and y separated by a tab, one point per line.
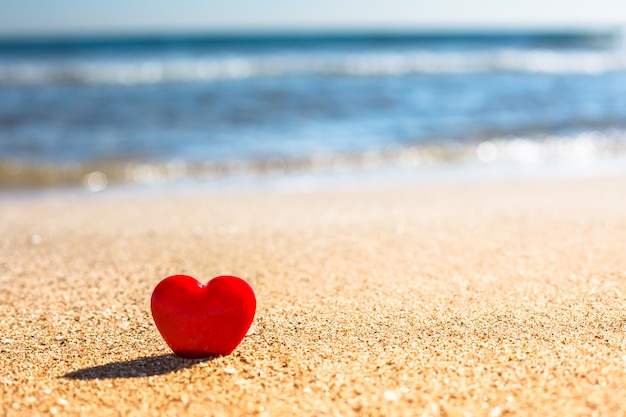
95	181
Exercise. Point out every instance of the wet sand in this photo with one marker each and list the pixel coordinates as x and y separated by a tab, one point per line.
469	299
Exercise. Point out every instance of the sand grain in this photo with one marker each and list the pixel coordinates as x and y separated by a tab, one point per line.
483	299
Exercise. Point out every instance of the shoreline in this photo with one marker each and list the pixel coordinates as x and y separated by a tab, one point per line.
337	179
584	154
487	298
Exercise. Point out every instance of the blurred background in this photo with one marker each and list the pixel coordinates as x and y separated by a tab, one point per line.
98	94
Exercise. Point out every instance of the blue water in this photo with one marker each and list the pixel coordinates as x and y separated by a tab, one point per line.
140	109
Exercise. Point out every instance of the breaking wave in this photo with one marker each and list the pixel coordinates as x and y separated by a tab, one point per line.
585	148
210	69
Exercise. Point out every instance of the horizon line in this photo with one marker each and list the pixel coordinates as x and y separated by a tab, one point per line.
261	31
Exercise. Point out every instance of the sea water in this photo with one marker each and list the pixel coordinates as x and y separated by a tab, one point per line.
152	109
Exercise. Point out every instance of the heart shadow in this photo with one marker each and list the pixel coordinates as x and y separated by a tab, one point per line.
136	368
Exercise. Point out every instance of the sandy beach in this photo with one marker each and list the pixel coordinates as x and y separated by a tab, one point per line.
481	299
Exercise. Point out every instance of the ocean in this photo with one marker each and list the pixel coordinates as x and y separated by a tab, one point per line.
100	112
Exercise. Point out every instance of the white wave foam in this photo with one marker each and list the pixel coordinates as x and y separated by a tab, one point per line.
589	150
354	64
584	146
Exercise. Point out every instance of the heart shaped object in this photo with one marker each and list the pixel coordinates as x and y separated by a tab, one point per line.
199	321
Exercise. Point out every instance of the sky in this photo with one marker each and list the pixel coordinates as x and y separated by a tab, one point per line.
66	17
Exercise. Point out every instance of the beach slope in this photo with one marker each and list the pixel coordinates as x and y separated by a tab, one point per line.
450	299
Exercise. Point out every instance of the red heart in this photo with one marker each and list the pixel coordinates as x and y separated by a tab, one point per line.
198	321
